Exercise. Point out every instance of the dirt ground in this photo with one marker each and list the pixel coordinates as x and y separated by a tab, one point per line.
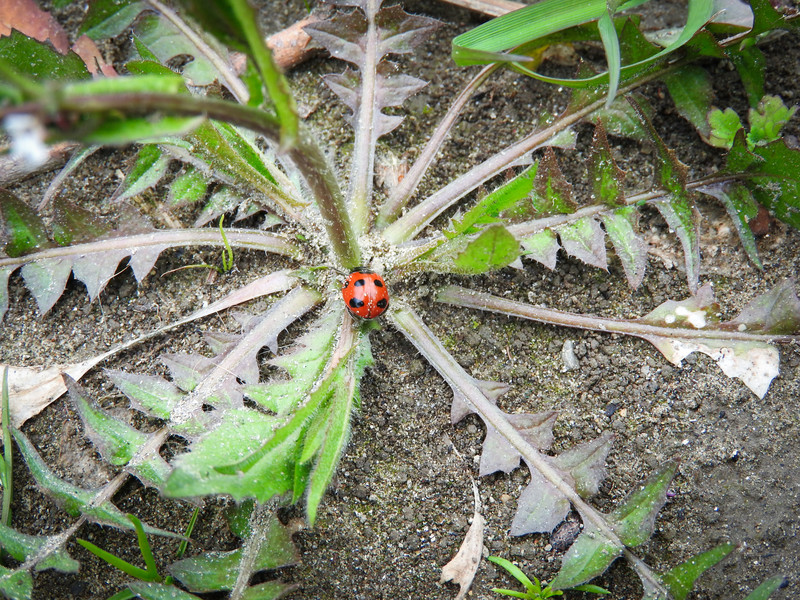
402	499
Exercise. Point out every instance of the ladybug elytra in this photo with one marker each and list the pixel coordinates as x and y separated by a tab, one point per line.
365	294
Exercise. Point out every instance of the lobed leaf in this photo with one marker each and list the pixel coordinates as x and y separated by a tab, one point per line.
23	229
16	584
493	249
38	61
23	546
540	506
605	177
75	500
588	557
584	239
216	571
628	245
542	247
148	590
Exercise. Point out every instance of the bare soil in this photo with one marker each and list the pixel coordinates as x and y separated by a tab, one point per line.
402	500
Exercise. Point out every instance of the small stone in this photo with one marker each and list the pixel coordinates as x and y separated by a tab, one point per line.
568	356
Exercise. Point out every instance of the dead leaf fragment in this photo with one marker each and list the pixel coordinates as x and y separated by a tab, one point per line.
462	568
26	17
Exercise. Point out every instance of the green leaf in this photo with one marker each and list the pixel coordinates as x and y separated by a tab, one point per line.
741	207
553	193
116	561
767	120
109	18
189	187
543	247
512	569
509	201
241	433
691	90
270	590
680	579
606	178
75	500
22	547
588	557
150	166
304	363
235	22
779	189
750	63
630	247
584	239
765	590
337	427
150	394
493	249
678	209
39	61
723	126
608	34
21	226
73	224
116	441
481	45
140	84
634	520
159	591
121	131
214	571
16	584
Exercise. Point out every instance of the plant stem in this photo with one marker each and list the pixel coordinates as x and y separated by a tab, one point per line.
306	155
230	79
402	192
166	238
464	297
8	455
462	383
261	520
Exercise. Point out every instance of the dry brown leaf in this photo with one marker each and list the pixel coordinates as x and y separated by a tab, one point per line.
91	57
26	17
462	568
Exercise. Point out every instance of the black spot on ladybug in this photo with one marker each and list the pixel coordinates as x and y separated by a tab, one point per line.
358	283
356	303
378	283
382	303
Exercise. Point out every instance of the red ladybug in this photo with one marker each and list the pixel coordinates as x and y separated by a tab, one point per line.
365	294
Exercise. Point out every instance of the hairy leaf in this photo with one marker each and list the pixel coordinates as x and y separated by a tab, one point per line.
606	178
75	500
630	247
119	443
553	193
634	520
149	590
38	61
540	506
586	464
588	557
741	207
493	249
16	584
691	90
215	571
151	165
680	579
764	591
23	229
498	455
542	247
584	239
365	37
742	347
22	547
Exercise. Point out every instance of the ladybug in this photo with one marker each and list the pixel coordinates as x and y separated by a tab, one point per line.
365	294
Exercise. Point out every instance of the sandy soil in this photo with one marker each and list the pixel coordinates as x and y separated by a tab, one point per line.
402	499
